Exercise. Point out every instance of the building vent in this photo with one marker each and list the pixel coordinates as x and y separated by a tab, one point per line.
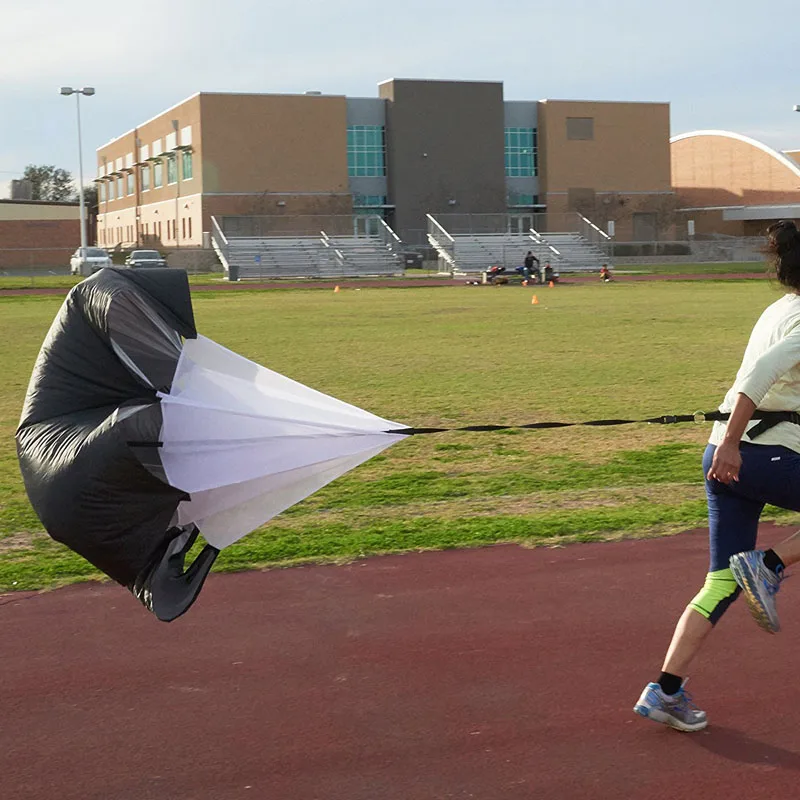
21	190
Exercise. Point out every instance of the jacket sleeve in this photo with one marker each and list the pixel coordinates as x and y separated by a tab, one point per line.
770	367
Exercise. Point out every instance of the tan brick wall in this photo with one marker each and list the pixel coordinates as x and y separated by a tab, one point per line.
712	170
38	211
187	114
629	152
274	143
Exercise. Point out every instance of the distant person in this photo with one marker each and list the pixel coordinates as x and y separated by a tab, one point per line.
605	274
527	270
548	274
747	464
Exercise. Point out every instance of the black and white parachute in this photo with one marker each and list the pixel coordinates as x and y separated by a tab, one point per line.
137	433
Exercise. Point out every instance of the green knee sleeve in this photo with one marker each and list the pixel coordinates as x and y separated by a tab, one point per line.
718	592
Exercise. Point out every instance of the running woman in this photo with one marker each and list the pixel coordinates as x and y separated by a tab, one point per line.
748	463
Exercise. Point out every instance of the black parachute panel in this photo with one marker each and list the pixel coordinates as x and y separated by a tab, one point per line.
92	400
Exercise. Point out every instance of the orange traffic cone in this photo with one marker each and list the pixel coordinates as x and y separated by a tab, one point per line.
551	284
534	301
335	289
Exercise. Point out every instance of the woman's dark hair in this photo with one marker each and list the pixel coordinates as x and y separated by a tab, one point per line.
783	248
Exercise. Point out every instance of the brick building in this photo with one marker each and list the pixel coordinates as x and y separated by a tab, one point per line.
35	233
731	184
419	147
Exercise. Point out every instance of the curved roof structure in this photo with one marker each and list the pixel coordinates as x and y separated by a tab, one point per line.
776	154
721	169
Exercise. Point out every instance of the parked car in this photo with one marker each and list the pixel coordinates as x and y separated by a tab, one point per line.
88	260
145	258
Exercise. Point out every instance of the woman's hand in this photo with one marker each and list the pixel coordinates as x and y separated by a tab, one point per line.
726	463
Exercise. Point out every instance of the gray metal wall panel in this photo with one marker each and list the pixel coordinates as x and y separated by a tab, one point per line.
444	142
366	111
521	113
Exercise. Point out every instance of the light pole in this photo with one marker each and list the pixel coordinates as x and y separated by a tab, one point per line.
88	91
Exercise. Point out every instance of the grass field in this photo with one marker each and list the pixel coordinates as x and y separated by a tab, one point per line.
452	356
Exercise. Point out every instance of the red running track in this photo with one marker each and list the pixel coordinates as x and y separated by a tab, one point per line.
498	673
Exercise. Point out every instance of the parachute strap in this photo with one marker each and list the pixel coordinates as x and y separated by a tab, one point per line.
768	419
167	587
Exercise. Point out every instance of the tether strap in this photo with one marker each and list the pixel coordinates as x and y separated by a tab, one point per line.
768	419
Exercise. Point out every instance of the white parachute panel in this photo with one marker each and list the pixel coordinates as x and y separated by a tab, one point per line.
247	443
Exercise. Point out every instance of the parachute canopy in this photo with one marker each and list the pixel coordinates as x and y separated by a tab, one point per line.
136	433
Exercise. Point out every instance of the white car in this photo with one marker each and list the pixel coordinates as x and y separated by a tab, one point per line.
88	260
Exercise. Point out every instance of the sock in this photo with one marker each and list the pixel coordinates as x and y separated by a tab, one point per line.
772	561
669	683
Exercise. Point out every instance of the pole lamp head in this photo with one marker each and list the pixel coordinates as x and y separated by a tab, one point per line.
88	90
67	90
796	108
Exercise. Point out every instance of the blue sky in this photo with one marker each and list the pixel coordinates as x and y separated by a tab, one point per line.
721	65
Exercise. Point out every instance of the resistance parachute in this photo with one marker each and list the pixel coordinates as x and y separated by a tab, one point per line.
137	434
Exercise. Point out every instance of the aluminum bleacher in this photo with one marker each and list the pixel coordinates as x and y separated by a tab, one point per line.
568	251
305	256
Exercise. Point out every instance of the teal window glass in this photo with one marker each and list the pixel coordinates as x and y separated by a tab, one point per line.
369	200
366	151
520	200
521	152
101	192
145	178
172	170
158	174
187	167
130	187
111	194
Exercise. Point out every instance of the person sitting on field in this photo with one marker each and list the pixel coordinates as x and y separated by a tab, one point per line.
605	273
527	271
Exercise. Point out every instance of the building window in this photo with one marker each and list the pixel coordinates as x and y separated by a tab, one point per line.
522	160
172	170
119	187
183	228
158	174
580	128
366	151
521	200
130	183
187	166
111	190
145	178
101	192
190	227
369	200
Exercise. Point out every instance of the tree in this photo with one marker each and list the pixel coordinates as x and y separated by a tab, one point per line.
89	197
49	182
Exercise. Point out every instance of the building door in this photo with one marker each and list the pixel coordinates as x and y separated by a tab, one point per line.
520	223
645	228
365	225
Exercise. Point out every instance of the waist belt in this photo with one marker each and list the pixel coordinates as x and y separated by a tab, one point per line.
769	419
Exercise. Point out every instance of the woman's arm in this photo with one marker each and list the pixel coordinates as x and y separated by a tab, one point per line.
727	461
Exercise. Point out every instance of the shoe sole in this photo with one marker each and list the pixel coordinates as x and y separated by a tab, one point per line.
666	719
745	578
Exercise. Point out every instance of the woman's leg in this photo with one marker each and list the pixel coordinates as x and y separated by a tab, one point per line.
733	525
